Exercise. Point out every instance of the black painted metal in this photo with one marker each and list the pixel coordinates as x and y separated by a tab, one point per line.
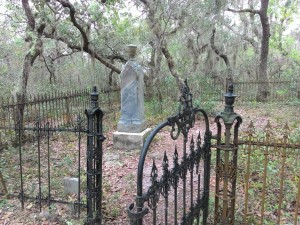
197	211
94	161
42	131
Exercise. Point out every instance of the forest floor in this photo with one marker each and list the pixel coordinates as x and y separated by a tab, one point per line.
119	169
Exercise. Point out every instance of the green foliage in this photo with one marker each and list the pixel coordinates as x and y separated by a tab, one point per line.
4	203
157	111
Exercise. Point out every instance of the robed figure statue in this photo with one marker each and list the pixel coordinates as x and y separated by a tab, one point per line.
132	96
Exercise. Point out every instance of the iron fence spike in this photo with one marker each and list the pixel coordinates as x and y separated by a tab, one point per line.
286	131
250	131
165	156
286	126
268	130
176	152
199	136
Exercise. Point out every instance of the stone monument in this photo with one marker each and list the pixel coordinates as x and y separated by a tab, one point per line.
131	130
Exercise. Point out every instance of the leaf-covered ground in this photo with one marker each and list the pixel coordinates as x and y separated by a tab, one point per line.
119	169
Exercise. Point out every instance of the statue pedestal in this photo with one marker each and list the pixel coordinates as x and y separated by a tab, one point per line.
132	126
130	141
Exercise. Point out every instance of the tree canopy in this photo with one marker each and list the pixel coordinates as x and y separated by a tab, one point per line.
75	42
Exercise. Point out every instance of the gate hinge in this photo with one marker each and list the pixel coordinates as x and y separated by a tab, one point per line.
134	216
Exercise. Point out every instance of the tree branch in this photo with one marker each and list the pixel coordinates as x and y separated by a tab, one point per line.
252	41
29	15
159	33
114	55
222	55
85	46
48	68
171	65
87	50
64	55
118	57
67	4
253	11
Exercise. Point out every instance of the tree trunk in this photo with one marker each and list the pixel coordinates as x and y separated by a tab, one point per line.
2	181
229	78
21	95
35	49
263	87
262	77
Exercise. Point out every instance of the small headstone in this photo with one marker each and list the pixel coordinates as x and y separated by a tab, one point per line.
71	185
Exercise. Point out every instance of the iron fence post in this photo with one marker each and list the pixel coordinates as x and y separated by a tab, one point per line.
94	160
226	162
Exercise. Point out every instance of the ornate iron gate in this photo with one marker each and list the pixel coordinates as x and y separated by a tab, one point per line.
186	184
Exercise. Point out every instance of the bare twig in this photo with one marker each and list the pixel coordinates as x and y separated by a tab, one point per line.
244	10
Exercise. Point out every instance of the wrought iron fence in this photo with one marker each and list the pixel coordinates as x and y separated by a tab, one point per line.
58	108
35	170
260	183
226	161
268	190
183	187
247	90
212	90
279	90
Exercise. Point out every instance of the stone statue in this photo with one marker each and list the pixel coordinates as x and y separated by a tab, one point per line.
132	96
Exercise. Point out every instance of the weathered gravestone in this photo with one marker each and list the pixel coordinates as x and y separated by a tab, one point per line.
131	129
71	185
70	188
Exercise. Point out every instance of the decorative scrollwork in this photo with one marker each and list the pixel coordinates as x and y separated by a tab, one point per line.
185	118
192	155
174	177
199	152
165	184
183	169
153	191
232	171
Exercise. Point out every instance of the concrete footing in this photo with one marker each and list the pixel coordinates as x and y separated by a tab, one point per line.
130	141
